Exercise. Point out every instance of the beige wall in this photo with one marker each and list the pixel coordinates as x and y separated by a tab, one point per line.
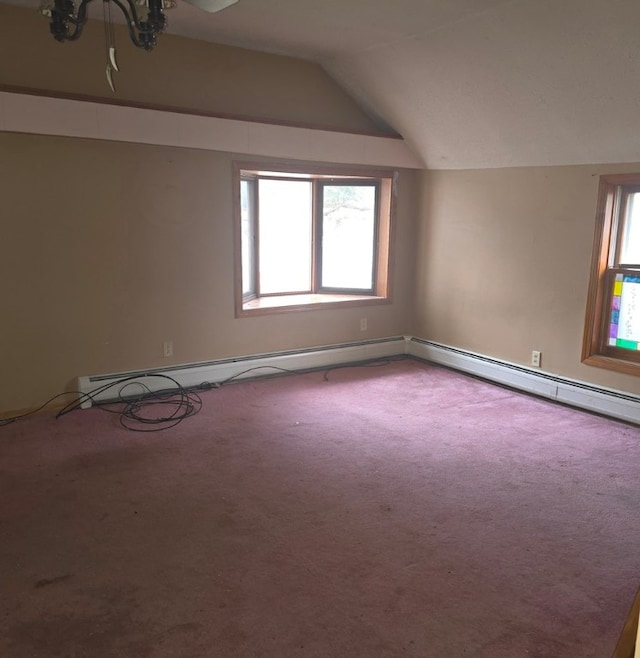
503	264
109	249
180	72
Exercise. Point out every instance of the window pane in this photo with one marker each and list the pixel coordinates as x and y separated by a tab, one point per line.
348	231
630	251
285	236
624	326
246	221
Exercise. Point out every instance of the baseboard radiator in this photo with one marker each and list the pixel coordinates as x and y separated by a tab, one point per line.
609	402
616	404
255	365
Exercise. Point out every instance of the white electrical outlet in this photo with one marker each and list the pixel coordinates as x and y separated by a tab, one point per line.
363	324
536	357
167	348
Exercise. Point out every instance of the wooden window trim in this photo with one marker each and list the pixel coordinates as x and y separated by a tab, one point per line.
321	299
606	249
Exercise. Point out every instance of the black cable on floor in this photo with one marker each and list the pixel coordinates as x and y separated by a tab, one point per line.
133	409
12	419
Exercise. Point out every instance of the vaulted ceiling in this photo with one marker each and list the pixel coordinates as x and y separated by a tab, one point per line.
468	83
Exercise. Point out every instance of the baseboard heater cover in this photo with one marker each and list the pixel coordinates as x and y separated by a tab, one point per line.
609	402
255	365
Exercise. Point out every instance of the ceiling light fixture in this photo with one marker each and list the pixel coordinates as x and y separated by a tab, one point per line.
145	19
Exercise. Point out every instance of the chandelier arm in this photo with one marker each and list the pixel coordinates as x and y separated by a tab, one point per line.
143	26
60	21
147	30
81	14
132	22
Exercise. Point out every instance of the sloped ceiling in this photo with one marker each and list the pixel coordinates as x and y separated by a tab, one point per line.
530	82
468	83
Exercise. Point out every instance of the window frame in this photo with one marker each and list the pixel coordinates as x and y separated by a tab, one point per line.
255	303
318	228
252	247
613	193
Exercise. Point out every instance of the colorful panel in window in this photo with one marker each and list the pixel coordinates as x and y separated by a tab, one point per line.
624	325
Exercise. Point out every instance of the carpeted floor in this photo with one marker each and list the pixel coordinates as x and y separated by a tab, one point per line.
401	510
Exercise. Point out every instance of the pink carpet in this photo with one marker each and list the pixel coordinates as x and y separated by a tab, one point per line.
403	510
